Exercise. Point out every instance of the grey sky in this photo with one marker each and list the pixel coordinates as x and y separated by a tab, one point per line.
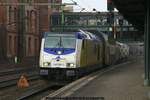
100	5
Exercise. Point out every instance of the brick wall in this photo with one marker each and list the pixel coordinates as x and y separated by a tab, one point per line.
9	19
2	32
36	21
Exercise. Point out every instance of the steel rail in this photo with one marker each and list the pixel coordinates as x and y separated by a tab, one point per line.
13	82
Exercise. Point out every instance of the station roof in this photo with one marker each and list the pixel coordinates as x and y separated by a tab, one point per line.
132	10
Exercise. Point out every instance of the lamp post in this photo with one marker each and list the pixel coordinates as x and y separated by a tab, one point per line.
147	44
110	8
63	14
97	16
21	33
121	27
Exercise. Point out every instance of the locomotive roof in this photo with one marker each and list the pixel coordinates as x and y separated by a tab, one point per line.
59	34
78	34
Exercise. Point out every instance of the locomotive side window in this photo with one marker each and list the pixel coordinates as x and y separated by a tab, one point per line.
95	48
98	55
83	44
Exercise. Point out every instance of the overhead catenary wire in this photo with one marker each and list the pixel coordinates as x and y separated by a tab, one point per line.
86	4
92	8
82	8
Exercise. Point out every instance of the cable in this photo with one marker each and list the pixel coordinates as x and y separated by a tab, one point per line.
82	8
86	4
73	1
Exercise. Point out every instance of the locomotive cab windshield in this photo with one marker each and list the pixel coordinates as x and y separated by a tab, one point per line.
60	44
65	42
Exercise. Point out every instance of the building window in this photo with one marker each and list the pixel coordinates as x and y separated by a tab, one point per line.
10	12
15	44
36	47
15	17
10	45
33	21
27	21
30	21
29	45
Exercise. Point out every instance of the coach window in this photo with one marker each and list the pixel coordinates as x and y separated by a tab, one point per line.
83	44
95	48
98	55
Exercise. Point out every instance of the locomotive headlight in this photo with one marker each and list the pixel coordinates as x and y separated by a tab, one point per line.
46	64
59	52
71	65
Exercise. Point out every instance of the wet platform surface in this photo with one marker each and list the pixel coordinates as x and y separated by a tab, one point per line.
125	82
119	82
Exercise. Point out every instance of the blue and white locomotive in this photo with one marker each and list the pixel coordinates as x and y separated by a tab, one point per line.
69	53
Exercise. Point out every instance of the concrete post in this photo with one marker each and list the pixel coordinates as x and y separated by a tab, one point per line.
147	45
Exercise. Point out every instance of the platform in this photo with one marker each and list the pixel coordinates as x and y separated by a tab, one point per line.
121	82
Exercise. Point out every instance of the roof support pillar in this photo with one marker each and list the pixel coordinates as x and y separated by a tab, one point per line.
147	45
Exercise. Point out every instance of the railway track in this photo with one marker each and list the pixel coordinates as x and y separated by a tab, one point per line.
9	77
16	70
13	82
37	92
37	89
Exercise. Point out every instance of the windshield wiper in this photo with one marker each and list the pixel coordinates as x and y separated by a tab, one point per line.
61	45
58	44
